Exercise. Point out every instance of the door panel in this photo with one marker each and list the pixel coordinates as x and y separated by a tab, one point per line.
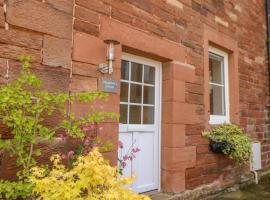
140	119
147	143
127	140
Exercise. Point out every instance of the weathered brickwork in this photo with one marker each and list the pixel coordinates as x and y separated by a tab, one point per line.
66	37
44	31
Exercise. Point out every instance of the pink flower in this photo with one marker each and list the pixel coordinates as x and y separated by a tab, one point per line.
63	136
125	157
86	141
120	144
93	126
91	136
123	164
63	156
85	129
135	150
70	154
100	128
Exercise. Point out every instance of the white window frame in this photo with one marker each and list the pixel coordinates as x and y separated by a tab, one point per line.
221	119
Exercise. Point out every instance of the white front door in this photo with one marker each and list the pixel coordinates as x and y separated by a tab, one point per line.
140	119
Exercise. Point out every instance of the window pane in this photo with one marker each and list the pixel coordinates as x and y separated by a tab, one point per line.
149	95
124	92
216	69
149	74
148	115
135	93
217	100
135	114
136	72
123	113
125	70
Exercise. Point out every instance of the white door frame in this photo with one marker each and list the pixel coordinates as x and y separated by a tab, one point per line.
158	96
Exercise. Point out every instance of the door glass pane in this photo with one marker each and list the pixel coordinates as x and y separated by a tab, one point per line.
217	100
135	93
125	70
136	72
139	93
216	69
149	75
123	113
124	92
148	115
134	114
149	95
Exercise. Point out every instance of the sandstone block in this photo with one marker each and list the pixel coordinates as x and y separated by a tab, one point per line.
137	40
94	5
196	140
173	90
83	84
175	3
178	158
38	16
57	52
13	52
173	135
3	70
85	69
89	49
21	38
2	17
62	5
179	71
194	88
86	15
53	79
183	113
86	27
173	181
195	98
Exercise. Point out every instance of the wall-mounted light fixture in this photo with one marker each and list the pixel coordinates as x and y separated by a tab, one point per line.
108	68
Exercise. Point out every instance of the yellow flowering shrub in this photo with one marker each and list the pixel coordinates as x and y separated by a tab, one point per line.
90	178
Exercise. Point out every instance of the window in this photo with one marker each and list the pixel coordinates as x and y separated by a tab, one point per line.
137	93
218	80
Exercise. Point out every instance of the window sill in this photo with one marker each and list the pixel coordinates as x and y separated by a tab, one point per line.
218	120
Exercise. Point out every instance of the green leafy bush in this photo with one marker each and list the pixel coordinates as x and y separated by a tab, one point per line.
240	144
24	106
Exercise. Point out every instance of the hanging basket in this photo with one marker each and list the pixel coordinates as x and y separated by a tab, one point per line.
219	146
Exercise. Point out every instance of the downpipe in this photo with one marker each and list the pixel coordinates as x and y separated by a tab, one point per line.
255	176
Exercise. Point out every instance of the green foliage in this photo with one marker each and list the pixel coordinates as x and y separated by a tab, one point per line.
240	149
90	178
12	189
24	105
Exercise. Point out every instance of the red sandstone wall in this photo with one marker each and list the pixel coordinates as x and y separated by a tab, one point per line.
183	22
43	30
171	31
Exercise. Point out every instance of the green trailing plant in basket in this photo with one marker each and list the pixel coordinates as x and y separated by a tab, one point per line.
239	144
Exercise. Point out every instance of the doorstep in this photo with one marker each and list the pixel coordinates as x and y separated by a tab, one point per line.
155	195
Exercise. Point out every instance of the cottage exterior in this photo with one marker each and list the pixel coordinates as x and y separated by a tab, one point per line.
180	67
